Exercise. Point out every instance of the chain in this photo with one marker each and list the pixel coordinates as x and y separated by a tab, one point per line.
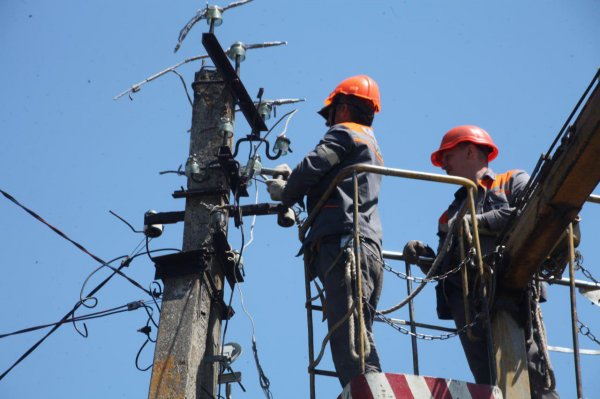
427	280
585	330
420	279
428	337
579	266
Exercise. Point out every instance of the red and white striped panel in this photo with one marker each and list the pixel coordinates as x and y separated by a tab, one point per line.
407	386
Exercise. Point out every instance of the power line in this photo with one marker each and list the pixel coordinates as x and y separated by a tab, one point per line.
79	246
124	263
95	315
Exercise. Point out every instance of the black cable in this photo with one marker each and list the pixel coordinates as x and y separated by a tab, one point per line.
156	293
236	203
137	358
89	316
145	330
63	235
187	93
124	221
63	320
264	382
70	313
57	231
120	273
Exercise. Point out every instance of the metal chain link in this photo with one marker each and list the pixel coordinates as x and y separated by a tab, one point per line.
585	330
428	337
427	280
420	279
579	266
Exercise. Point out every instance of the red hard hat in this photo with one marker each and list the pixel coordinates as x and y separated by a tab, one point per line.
465	133
361	86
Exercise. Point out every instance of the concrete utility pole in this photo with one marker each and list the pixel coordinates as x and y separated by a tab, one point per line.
190	321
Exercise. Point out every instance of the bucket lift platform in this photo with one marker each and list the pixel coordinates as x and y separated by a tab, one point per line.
408	386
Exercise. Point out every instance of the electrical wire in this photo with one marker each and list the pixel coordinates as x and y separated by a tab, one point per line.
136	251
66	317
63	235
146	330
273	127
287	122
253	223
90	316
263	380
57	231
187	93
125	221
236	203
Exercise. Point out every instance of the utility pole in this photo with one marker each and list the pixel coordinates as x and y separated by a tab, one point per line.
192	305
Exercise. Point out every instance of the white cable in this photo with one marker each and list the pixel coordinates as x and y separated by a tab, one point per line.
253	219
286	123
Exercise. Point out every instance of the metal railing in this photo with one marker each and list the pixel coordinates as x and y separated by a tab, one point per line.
412	323
353	171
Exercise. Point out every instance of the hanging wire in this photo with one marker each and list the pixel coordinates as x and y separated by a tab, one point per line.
146	330
90	316
187	93
137	87
273	127
287	122
125	221
63	235
126	262
253	222
66	318
263	379
239	259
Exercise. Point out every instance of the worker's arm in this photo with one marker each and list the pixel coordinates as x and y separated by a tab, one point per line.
496	219
330	151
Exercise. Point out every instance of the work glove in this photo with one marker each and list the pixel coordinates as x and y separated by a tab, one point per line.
415	249
284	169
275	188
481	223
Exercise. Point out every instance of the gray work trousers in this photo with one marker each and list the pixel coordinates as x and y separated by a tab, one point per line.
476	352
331	273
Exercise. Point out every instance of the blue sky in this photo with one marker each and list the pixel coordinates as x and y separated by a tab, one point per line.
71	153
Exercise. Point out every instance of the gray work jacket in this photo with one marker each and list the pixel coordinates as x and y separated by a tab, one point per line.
494	205
343	145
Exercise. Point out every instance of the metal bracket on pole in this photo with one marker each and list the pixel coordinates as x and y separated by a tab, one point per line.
200	192
255	209
231	168
163	218
239	92
232	266
181	264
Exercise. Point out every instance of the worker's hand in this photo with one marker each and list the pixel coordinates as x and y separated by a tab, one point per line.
480	222
275	188
415	249
285	170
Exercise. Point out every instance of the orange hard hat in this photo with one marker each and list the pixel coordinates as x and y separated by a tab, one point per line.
361	86
465	133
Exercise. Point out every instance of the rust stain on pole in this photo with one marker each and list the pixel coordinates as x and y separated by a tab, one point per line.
169	379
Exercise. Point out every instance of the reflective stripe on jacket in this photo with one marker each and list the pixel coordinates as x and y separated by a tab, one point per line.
343	145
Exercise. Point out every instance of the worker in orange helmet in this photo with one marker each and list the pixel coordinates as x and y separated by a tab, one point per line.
465	151
349	112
